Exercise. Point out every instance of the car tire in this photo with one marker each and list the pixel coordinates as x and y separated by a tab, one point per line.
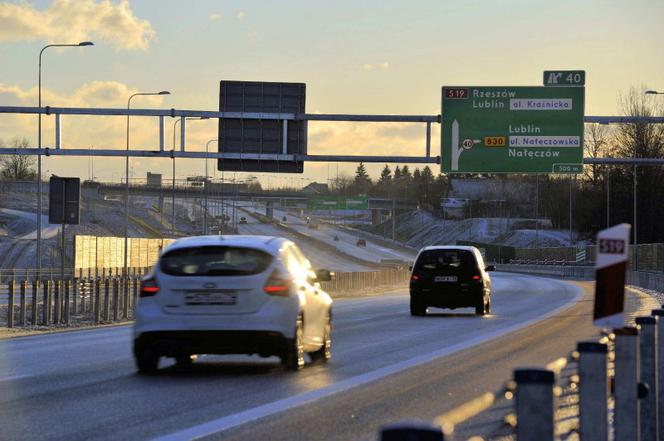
293	358
416	308
481	308
324	354
147	362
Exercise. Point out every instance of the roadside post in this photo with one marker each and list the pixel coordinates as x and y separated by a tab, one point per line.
534	404
626	413
593	388
659	313
10	303
610	272
648	374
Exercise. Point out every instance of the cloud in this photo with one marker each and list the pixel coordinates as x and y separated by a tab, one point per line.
369	66
71	21
215	17
241	14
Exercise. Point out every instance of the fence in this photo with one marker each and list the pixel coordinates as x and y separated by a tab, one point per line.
107	297
609	388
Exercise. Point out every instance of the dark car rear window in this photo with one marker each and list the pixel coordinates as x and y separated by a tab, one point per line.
435	260
215	261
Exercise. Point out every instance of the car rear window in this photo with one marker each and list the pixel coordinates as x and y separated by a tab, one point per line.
215	261
435	260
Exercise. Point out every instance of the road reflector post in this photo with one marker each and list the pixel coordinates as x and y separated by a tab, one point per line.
593	389
57	307
648	375
10	303
23	311
46	304
35	302
67	286
137	282
610	273
107	299
534	404
659	313
626	415
411	431
116	298
97	300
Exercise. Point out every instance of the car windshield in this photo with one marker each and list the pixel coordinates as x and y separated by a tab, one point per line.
444	259
215	261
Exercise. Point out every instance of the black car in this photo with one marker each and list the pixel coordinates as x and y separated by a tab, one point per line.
450	277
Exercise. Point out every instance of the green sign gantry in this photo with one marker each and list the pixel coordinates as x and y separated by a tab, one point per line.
329	202
512	129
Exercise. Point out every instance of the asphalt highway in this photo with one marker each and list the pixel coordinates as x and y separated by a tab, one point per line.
386	366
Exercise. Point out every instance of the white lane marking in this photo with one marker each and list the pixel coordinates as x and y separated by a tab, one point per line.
15	377
240	418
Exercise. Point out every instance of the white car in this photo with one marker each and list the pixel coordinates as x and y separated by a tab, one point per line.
232	295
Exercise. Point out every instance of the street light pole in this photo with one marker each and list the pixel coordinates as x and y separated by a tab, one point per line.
205	188
126	201
39	147
175	124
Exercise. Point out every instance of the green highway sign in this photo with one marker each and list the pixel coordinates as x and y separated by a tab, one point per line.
512	129
564	77
338	203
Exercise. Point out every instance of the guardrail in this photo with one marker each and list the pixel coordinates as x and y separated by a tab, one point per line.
609	388
108	298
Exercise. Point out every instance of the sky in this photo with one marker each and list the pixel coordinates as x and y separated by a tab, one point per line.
368	57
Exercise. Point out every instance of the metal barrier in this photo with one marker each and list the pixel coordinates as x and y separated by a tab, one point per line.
609	388
108	298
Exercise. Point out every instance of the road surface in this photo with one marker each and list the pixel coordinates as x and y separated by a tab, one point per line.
386	366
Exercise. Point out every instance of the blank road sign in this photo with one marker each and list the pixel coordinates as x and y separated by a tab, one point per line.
261	136
64	200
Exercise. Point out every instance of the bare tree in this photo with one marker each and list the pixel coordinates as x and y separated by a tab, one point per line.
17	167
597	144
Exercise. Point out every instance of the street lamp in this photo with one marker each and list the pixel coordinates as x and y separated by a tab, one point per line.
126	201
653	92
175	124
39	146
205	213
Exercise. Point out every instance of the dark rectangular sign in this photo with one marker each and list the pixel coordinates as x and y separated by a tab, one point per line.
261	136
64	198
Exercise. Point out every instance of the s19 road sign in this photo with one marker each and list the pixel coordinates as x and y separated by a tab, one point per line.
610	270
512	129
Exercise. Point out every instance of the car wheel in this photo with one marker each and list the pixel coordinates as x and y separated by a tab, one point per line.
184	360
293	358
481	308
416	308
324	354
147	361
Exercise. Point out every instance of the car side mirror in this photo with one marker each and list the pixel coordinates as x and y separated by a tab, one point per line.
490	268
323	275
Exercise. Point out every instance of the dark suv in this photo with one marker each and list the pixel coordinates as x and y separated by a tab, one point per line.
450	277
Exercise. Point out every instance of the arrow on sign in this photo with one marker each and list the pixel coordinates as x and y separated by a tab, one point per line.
554	77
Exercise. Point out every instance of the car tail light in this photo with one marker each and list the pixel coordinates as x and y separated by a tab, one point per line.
415	277
149	287
476	277
278	285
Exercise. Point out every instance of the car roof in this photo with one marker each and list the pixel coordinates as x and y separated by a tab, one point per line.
269	244
450	247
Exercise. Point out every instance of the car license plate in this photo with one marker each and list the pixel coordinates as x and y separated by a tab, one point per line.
210	298
445	279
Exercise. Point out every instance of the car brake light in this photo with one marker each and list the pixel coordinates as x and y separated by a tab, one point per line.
476	277
149	287
414	277
278	285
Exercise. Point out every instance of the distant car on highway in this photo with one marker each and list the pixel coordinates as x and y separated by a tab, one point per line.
243	220
361	243
232	295
450	277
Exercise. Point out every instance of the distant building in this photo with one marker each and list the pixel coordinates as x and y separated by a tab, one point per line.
316	188
154	179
